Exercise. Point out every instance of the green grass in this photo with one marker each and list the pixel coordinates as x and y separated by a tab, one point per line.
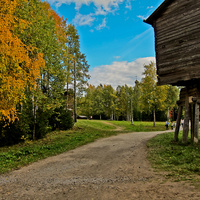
85	131
140	126
94	124
181	161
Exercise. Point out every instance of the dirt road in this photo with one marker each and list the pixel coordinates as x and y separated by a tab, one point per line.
111	168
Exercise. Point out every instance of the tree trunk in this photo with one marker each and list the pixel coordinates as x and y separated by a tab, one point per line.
167	113
75	103
154	117
34	117
131	110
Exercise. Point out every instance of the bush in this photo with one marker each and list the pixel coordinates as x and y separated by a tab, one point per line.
22	128
61	119
13	133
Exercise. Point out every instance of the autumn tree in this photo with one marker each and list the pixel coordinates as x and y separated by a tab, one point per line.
18	70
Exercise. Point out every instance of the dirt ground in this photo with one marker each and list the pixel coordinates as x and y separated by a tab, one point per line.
111	168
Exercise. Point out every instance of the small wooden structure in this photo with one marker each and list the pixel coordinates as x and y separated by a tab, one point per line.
176	25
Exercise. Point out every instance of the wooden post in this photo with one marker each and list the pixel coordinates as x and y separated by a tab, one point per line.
186	119
192	121
196	121
180	108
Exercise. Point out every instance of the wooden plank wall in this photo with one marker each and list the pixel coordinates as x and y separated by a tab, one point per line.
177	41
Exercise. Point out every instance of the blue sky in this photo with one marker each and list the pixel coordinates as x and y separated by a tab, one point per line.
114	38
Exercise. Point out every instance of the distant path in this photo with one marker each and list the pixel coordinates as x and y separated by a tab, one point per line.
111	168
117	128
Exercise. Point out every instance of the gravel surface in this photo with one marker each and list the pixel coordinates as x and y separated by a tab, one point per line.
111	168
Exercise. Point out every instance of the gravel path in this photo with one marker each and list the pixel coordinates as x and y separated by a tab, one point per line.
111	168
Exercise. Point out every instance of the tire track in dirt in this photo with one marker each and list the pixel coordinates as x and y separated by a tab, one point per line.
117	128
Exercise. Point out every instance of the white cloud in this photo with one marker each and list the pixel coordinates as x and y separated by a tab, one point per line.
100	11
128	5
101	7
149	7
83	20
119	73
141	17
105	4
102	25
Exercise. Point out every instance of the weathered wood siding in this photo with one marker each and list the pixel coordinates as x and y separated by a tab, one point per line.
177	43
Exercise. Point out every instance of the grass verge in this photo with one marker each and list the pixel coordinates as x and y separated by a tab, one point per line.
181	161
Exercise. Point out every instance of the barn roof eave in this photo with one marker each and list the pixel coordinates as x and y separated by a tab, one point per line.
150	20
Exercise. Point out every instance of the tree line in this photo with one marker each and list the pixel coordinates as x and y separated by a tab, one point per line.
144	101
38	52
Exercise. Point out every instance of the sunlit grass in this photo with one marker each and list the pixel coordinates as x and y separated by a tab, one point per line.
182	161
94	124
140	126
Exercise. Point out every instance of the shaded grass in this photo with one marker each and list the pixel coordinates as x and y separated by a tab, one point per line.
85	131
181	161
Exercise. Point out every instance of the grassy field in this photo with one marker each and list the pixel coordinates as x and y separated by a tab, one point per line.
140	126
181	161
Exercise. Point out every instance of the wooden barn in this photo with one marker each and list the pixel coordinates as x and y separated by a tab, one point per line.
176	25
177	41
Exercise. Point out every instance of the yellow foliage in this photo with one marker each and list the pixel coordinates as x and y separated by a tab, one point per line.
17	69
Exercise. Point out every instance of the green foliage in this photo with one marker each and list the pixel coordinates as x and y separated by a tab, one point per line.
52	47
145	101
153	97
6	133
73	48
178	159
98	101
136	101
61	119
109	95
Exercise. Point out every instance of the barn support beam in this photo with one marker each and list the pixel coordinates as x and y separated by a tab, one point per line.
178	121
192	108
186	119
196	120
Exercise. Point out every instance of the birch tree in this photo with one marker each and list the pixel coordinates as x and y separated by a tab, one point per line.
153	97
